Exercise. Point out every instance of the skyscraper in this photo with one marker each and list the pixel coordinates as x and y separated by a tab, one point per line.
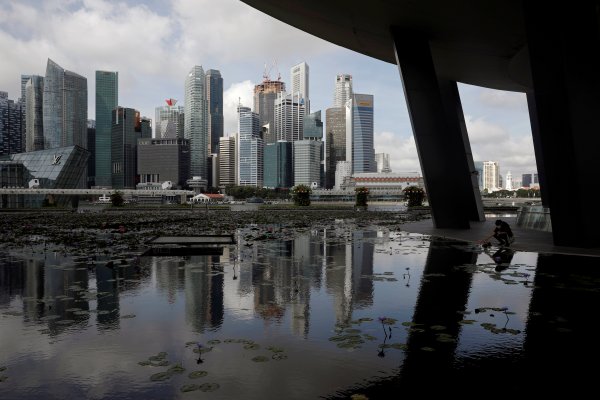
289	117
509	181
491	176
278	165
169	121
343	90
34	119
227	161
335	140
383	162
300	79
196	121
107	99
359	133
64	108
265	95
126	128
307	162
214	97
250	149
11	126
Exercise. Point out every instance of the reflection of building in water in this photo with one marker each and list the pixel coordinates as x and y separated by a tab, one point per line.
204	307
169	277
363	249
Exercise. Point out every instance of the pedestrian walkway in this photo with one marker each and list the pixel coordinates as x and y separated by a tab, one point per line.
525	239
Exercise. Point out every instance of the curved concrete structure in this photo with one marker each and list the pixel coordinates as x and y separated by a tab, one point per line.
472	41
549	50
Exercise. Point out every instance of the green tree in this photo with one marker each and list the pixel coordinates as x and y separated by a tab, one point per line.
362	196
301	195
414	195
116	199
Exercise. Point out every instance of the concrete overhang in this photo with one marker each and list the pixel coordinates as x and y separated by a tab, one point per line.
477	42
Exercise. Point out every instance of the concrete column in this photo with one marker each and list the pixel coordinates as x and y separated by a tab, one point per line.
565	63
440	134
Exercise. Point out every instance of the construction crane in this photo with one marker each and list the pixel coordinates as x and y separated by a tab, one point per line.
266	73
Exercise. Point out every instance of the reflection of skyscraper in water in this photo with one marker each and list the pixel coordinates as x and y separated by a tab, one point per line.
204	306
169	278
363	250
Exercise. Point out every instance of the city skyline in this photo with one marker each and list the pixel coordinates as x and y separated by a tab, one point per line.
497	121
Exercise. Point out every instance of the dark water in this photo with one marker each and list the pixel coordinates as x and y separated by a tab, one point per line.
334	313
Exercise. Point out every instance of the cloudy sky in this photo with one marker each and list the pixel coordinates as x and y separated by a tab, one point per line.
154	43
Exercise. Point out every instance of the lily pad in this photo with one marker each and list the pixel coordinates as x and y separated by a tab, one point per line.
144	363
438	327
399	346
279	356
426	348
214	341
160	376
260	359
189	387
176	369
197	374
209	387
275	349
252	346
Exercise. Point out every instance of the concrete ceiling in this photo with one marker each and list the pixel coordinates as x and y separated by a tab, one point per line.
478	42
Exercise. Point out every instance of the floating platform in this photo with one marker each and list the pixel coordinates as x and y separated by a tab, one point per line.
188	245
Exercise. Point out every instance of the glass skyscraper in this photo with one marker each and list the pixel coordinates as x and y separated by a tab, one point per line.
289	117
278	165
11	126
300	83
107	99
196	121
126	128
64	108
335	122
251	149
214	97
359	134
34	118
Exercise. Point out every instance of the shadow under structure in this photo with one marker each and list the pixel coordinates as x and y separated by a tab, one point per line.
550	52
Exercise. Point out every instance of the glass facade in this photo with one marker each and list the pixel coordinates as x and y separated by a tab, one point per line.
278	165
34	119
196	121
64	108
251	148
11	126
307	163
289	117
169	122
58	168
107	99
214	94
335	121
227	159
359	127
126	130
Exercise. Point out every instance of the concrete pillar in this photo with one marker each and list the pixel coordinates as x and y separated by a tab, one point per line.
440	134
564	52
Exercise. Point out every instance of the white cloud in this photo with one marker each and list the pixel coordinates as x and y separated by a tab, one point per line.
237	93
402	151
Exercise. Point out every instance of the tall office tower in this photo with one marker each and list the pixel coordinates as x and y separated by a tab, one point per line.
343	90
34	121
359	133
11	126
227	161
383	162
313	130
250	149
169	121
307	162
335	140
278	171
64	108
289	117
529	180
265	95
107	99
491	176
127	127
24	80
343	171
196	120
91	147
214	97
300	79
213	170
509	181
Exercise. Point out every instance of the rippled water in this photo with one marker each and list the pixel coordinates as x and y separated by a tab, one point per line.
322	314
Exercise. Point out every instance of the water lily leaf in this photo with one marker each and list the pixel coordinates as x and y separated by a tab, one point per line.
162	363
209	387
467	321
176	369
426	348
260	359
438	327
197	374
252	346
352	331
144	363
189	387
160	376
279	356
202	350
399	346
369	337
275	349
214	341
